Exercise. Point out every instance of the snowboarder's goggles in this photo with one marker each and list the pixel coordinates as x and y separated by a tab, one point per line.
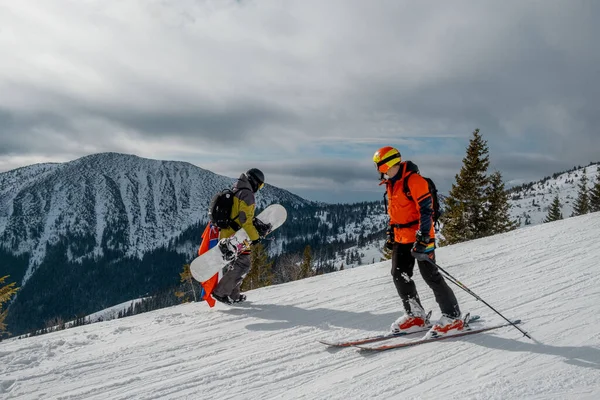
383	166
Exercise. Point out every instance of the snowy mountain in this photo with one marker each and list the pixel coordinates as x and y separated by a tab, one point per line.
108	201
267	348
530	202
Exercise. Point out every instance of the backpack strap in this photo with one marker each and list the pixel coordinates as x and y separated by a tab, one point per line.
234	225
405	187
385	201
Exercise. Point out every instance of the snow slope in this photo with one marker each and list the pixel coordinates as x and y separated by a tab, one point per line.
266	349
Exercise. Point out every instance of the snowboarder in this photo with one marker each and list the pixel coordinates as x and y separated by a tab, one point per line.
242	216
410	236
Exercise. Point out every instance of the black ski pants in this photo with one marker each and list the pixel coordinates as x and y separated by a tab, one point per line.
403	264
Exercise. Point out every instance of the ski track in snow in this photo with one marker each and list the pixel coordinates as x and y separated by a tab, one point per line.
546	275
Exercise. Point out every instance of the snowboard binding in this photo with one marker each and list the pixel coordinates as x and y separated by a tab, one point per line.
231	248
262	228
228	250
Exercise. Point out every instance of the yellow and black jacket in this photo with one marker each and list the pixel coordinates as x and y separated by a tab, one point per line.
242	210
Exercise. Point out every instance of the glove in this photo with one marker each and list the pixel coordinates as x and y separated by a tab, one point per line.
423	248
262	228
255	242
389	243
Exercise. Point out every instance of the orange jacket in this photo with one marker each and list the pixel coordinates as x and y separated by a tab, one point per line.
414	213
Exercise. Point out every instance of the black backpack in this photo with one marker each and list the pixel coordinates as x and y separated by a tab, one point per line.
219	211
434	196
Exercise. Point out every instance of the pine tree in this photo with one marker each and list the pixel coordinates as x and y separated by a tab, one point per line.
464	217
188	280
595	193
6	292
554	213
306	266
498	207
582	203
261	274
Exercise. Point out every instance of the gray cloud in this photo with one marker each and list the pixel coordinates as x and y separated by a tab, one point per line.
289	84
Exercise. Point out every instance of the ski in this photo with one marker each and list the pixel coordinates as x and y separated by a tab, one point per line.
385	336
423	341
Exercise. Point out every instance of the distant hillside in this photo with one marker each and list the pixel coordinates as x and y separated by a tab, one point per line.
530	202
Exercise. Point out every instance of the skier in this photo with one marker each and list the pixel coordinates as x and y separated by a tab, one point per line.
242	215
411	235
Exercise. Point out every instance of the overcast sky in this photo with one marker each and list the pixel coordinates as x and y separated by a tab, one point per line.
305	90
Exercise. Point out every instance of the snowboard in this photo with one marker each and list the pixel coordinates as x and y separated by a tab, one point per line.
208	264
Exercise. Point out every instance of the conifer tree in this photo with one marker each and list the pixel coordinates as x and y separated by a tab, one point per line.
288	268
306	269
463	217
188	281
595	193
497	216
554	212
6	292
582	203
261	273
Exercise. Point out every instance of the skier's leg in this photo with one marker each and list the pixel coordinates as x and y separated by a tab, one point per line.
403	264
444	295
232	279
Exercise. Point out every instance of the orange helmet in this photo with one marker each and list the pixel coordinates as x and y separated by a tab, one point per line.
385	158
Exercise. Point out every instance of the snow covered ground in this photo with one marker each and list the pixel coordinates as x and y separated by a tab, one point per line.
547	275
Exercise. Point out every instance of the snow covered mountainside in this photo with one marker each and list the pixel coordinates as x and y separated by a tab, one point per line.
108	201
530	202
267	348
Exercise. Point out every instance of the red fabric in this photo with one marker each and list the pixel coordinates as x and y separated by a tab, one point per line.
210	238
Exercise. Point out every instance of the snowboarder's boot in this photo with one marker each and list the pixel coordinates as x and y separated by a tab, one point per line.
240	299
222	299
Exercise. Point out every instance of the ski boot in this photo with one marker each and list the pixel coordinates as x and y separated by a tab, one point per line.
414	321
448	326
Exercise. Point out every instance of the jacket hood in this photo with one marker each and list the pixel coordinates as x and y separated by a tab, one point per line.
242	183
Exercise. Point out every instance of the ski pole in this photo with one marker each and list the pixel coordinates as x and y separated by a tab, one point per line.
466	289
